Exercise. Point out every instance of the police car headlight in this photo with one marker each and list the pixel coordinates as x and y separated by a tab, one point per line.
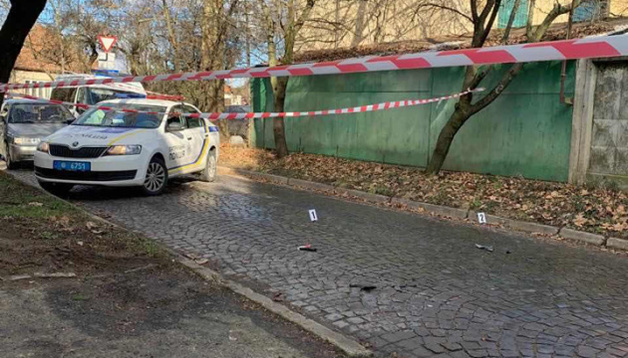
26	141
124	150
43	147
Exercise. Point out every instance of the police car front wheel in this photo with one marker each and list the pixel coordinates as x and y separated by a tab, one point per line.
156	177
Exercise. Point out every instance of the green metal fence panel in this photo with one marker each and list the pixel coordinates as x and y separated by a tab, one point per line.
526	131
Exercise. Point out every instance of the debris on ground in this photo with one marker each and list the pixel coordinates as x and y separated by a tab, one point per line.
20	277
600	209
278	297
307	247
55	275
485	248
147	267
201	261
313	215
363	287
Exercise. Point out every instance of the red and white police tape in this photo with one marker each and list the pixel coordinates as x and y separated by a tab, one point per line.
592	47
218	116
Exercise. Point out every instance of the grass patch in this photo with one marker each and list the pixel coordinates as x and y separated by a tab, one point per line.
20	200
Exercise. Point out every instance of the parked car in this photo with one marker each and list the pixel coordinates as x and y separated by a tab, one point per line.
23	123
115	148
93	94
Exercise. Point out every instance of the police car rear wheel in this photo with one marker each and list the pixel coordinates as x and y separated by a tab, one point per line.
156	177
209	173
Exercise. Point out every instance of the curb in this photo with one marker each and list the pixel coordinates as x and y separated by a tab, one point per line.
349	346
585	237
616	243
435	209
444	211
524	226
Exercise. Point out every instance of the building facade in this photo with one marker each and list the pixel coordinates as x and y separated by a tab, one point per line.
342	23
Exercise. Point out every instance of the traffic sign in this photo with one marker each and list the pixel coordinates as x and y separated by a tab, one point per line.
107	42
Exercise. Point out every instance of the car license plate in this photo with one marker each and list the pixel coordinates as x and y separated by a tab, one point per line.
72	166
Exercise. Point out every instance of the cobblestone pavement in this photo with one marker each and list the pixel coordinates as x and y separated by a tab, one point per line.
435	293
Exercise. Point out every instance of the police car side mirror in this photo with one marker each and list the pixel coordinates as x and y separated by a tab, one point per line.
174	126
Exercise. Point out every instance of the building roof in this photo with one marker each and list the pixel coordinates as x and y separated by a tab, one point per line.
556	32
42	52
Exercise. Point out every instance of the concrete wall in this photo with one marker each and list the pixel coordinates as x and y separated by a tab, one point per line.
609	135
527	131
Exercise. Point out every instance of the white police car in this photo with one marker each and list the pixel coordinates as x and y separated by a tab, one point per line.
117	148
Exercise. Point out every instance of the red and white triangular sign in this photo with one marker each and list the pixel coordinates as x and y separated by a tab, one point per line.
107	42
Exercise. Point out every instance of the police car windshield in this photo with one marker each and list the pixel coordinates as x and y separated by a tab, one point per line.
100	118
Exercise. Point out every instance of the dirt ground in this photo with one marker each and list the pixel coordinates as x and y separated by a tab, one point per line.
124	296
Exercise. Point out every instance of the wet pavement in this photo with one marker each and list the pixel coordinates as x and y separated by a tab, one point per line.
401	282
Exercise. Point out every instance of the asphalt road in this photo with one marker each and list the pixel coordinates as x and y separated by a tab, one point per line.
403	282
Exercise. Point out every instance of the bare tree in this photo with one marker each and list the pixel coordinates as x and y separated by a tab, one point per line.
483	15
281	22
19	22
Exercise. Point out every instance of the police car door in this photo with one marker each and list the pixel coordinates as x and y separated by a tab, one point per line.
176	138
195	134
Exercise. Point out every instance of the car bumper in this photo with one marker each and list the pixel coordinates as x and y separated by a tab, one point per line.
107	171
21	153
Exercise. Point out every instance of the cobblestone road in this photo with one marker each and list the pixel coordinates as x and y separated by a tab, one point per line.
435	294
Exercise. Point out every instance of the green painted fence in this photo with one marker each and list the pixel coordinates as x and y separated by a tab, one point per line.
526	131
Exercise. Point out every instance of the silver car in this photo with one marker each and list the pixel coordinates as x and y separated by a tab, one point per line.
23	123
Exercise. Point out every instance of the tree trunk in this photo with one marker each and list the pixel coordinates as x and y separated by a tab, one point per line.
279	131
465	108
446	137
19	22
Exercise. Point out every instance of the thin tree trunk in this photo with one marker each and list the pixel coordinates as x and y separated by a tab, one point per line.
279	85
511	20
465	108
279	130
445	139
19	22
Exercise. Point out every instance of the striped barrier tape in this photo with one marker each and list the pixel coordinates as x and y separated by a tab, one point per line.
593	47
232	116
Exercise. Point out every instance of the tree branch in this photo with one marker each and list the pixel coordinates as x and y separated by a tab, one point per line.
530	22
497	90
474	10
511	21
448	8
305	14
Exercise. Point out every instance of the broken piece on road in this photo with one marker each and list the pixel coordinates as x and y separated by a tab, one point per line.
486	248
307	247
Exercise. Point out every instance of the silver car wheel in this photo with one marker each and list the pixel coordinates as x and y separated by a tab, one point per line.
211	166
155	177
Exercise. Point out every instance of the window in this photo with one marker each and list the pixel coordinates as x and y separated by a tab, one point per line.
192	122
63	94
174	116
521	17
33	113
590	10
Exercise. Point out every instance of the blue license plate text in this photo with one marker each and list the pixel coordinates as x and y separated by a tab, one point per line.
72	166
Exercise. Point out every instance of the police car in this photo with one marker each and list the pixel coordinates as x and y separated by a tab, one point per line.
117	148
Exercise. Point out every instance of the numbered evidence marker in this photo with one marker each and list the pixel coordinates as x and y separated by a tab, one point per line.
482	218
313	215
